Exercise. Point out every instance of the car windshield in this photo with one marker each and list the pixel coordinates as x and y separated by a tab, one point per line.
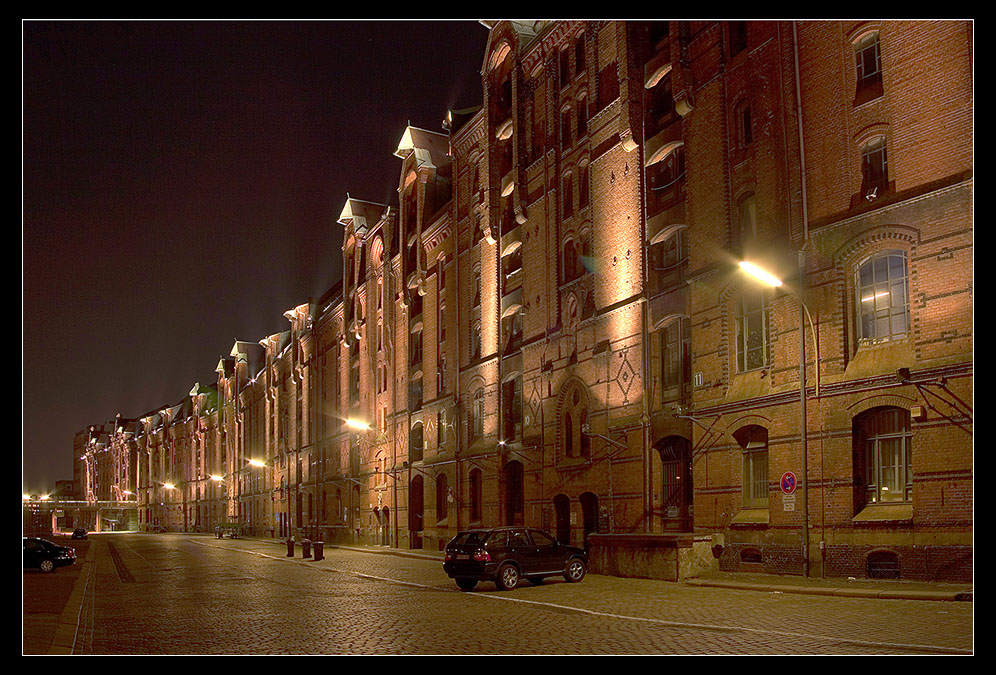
470	538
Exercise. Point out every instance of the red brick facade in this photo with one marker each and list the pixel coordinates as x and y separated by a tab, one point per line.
549	327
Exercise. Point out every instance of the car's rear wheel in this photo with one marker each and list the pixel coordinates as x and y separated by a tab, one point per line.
575	570
466	584
508	577
47	566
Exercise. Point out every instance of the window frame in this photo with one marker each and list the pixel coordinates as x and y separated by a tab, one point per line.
743	313
868	287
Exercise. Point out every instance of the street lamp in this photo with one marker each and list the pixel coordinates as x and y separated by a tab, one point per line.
359	425
765	277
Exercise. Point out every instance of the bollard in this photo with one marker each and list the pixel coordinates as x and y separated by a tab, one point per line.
319	550
290	547
305	548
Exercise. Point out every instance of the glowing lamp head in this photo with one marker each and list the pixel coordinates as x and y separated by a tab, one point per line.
359	425
760	274
257	463
169	486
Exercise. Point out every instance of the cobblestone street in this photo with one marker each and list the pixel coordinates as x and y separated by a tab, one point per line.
200	595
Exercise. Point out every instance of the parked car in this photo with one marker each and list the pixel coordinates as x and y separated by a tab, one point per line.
46	556
79	533
505	555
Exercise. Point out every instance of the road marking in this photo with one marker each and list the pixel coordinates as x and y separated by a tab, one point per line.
624	617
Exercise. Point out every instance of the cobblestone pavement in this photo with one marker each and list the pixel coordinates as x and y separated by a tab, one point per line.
199	595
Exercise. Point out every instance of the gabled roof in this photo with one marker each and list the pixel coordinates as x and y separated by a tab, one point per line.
360	214
431	149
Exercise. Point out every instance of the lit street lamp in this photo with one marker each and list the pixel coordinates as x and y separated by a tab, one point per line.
771	280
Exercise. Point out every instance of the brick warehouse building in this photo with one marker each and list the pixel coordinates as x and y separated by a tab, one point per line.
549	326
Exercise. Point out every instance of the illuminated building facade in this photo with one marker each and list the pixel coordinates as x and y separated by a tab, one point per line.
549	326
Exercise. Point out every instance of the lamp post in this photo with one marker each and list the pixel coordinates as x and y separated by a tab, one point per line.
765	277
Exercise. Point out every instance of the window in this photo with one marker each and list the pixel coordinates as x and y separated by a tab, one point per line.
608	85
564	66
579	57
512	329
573	264
511	393
667	254
752	331
416	347
582	116
675	353
477	415
754	442
874	168
738	37
568	196
883	457
882	286
868	61
743	130
477	287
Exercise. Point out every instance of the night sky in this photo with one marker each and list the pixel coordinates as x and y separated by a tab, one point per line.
181	185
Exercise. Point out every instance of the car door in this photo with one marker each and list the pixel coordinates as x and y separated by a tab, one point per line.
549	556
522	551
30	553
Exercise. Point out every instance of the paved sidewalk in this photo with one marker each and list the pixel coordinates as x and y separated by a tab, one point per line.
886	589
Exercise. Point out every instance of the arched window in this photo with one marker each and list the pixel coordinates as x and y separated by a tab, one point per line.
882	286
883	457
752	331
476	426
868	67
874	168
754	442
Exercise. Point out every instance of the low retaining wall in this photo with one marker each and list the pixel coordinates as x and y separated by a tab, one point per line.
670	557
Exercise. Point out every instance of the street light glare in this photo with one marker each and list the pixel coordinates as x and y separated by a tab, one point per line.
169	486
760	274
357	424
256	462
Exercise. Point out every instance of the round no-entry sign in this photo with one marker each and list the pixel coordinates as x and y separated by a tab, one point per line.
788	482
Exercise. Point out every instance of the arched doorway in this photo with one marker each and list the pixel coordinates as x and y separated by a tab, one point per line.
562	508
676	483
514	495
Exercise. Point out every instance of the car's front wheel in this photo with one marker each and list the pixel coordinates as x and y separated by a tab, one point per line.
47	566
508	577
575	570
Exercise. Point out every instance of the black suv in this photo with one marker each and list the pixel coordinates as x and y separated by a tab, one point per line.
46	556
506	554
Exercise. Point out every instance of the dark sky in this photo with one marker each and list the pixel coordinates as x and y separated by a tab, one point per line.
181	183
